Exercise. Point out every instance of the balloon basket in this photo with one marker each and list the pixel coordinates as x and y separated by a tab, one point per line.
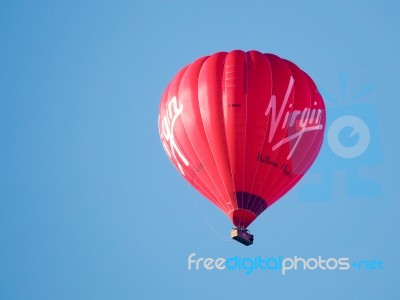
242	235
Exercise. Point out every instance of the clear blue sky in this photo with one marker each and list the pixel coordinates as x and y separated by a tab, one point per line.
90	206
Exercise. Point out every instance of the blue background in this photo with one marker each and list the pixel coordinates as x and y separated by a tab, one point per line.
90	206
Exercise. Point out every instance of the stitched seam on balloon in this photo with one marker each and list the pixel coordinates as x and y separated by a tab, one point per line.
223	206
214	197
173	90
245	125
245	210
265	134
232	197
208	141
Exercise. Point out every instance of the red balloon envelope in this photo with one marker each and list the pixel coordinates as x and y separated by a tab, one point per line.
242	128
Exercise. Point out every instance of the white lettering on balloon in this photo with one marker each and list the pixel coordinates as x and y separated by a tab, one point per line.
167	133
310	120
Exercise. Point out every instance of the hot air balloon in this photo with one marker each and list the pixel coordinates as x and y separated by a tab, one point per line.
242	128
